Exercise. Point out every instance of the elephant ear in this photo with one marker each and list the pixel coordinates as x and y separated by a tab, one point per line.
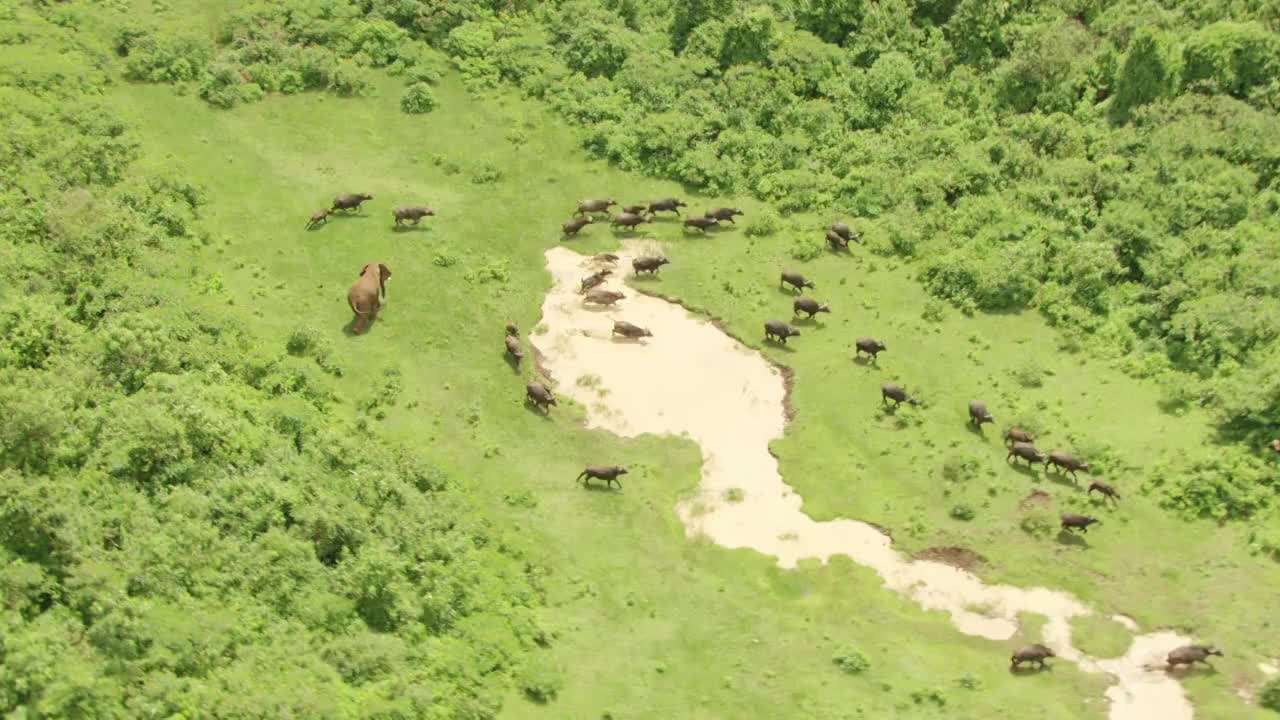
385	272
363	270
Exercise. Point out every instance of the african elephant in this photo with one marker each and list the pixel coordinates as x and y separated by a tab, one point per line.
366	295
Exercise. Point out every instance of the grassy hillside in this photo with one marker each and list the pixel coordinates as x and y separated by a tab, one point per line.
640	621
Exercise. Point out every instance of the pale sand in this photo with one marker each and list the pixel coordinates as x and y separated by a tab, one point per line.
692	379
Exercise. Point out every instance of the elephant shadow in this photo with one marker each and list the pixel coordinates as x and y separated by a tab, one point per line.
866	362
814	321
600	487
623	339
408	228
779	345
592	307
789	291
351	328
976	430
1029	669
512	361
647	277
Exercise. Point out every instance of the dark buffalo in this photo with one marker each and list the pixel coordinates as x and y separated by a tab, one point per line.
600	296
1072	522
319	218
411	213
608	473
350	202
635	209
896	393
723	214
630	220
870	346
649	264
843	230
795	280
540	395
594	279
594	206
572	227
512	328
1025	451
780	331
808	305
1066	461
513	349
1036	653
605	257
1191	654
837	241
1105	488
666	205
978	413
627	330
701	223
1018	435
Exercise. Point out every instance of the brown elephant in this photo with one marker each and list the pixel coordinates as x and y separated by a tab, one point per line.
366	295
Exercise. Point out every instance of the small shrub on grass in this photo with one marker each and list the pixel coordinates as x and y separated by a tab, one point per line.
486	173
417	99
934	310
1029	375
541	683
1269	698
851	661
763	224
929	695
969	682
963	511
734	495
1037	523
805	249
959	469
301	341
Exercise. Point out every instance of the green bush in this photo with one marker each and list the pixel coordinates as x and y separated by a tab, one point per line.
851	661
963	512
1230	484
806	248
418	98
763	223
541	683
1269	696
1038	523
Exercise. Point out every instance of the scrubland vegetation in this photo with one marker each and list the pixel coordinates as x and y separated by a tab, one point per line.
215	503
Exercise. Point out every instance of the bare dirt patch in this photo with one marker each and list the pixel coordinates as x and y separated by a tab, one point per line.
952	555
1035	499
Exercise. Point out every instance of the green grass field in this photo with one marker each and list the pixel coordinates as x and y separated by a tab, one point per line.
648	623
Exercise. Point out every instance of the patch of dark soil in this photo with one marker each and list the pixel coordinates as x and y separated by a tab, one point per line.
952	555
1037	499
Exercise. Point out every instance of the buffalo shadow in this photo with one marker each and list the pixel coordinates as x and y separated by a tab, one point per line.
866	361
1029	669
1066	537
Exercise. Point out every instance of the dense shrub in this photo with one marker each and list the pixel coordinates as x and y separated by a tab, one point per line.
418	98
1269	696
851	661
1230	484
189	521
